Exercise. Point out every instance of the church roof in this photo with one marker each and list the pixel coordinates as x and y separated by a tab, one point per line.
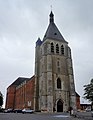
77	95
38	42
52	31
18	81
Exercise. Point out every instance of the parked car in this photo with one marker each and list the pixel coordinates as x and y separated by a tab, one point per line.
8	110
88	109
1	110
26	110
17	111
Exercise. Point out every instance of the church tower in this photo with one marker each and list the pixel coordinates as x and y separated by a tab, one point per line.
54	79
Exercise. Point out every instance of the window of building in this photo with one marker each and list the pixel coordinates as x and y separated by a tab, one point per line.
58	63
62	50
58	83
52	48
57	48
55	33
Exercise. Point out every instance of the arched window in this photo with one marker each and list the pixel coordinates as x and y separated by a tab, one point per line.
58	64
58	83
62	50
52	48
57	48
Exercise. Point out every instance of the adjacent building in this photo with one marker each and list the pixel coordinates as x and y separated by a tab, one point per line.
20	94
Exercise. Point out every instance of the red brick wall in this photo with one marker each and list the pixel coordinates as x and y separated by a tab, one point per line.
18	98
21	96
10	97
30	93
78	102
25	94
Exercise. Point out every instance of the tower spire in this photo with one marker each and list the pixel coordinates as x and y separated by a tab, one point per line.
51	17
52	31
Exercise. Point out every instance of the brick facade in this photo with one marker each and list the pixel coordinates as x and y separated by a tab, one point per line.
78	101
10	97
21	95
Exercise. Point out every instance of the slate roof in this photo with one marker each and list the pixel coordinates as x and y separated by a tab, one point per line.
77	95
19	80
38	42
52	31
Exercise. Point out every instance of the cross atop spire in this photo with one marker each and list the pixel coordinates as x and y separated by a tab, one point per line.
51	17
51	7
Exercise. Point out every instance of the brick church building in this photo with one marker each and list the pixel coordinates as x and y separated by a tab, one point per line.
52	87
20	94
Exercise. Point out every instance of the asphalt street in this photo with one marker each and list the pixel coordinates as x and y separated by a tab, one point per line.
44	116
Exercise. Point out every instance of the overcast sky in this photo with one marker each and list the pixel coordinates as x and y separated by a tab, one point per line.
23	21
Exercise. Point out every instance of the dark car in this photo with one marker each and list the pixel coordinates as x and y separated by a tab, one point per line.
17	111
1	110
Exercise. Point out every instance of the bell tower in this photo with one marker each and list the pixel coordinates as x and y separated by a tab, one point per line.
54	79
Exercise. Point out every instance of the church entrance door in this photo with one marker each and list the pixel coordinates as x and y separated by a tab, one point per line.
59	106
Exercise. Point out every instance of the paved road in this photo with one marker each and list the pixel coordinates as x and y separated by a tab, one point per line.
85	115
41	116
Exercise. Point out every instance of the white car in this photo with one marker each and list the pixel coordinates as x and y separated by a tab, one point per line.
26	110
8	110
88	109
